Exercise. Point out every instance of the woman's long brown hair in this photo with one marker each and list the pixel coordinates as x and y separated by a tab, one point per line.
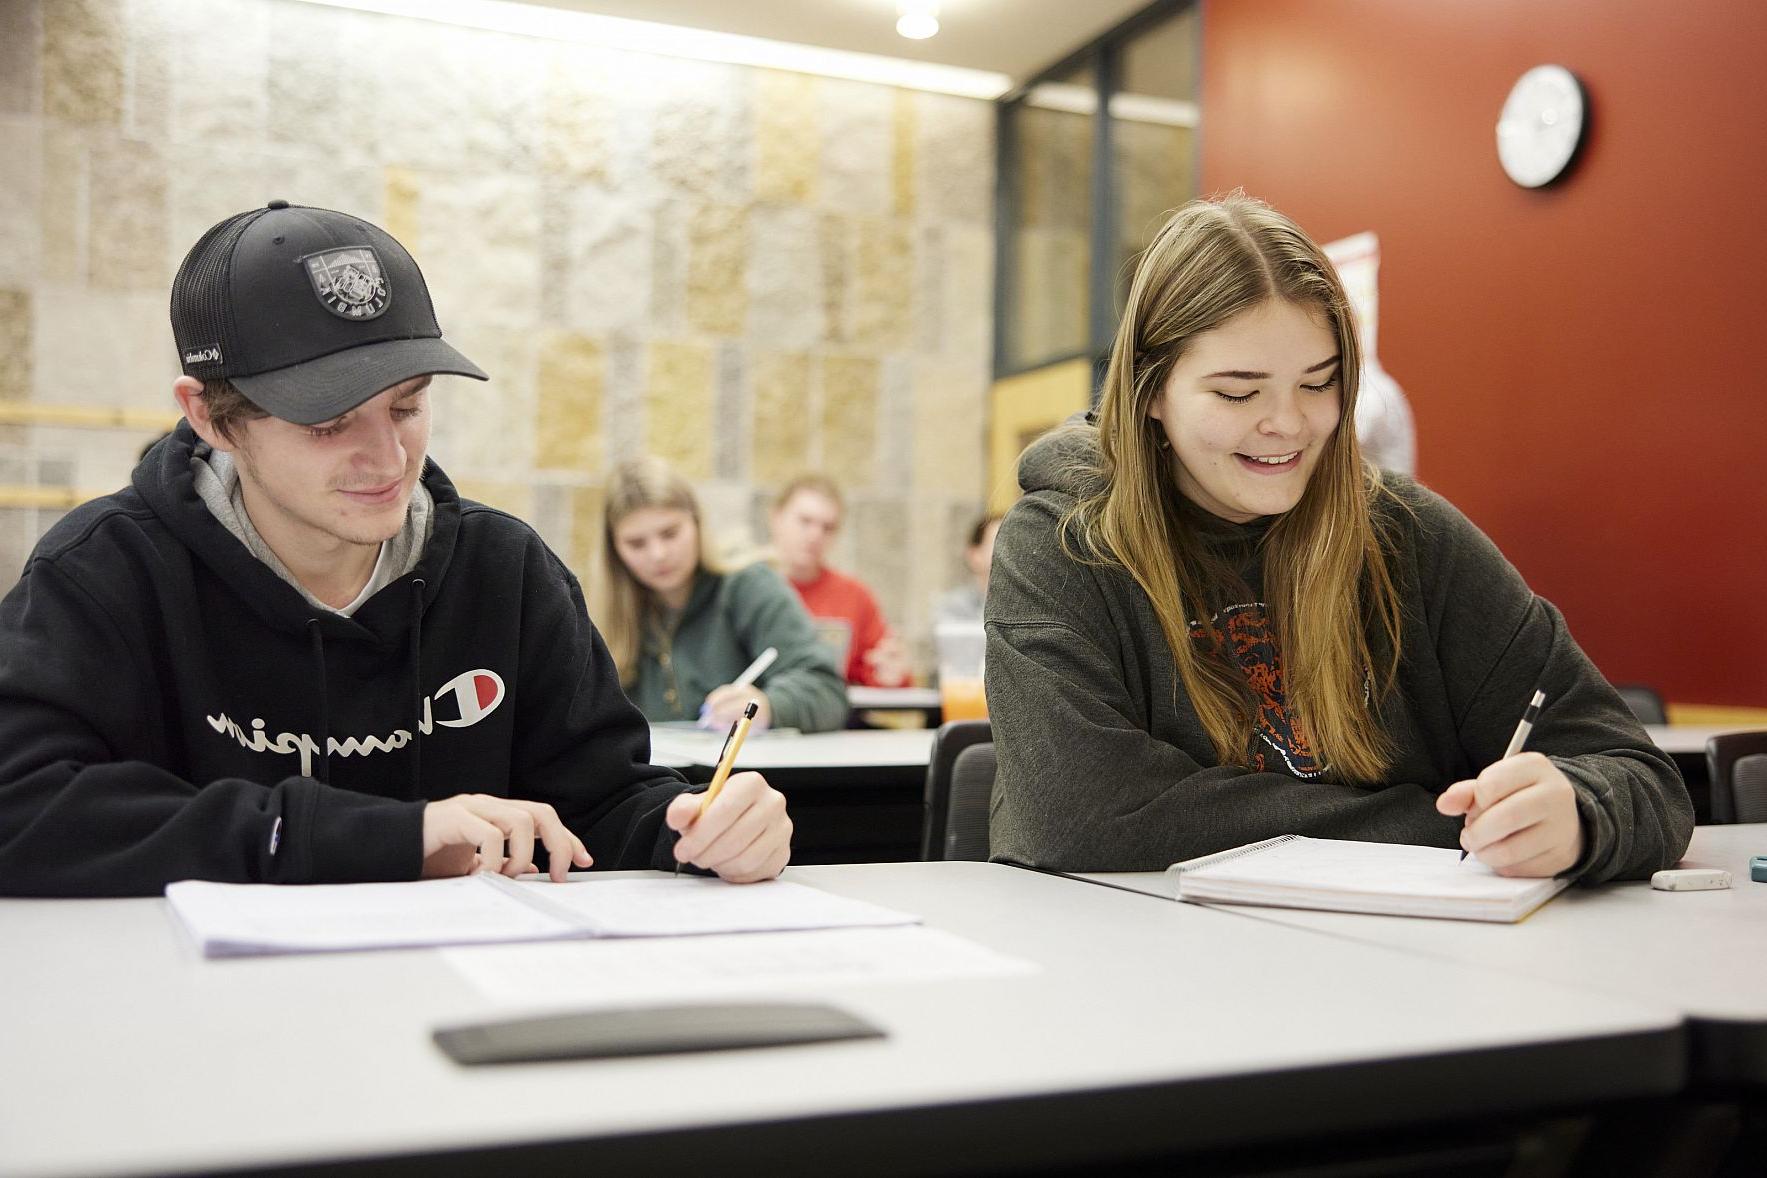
1327	581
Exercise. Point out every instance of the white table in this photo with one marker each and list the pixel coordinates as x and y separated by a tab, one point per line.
911	699
828	755
1704	953
1149	1027
1689	740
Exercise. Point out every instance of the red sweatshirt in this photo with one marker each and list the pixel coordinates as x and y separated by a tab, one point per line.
838	597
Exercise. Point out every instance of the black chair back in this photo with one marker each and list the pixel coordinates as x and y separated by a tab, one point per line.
1644	701
943	803
1736	763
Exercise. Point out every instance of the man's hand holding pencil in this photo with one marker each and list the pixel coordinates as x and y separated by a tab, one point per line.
738	827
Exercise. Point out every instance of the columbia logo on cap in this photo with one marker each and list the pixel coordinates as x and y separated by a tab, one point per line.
208	355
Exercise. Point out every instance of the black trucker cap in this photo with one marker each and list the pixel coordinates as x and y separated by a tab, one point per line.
308	312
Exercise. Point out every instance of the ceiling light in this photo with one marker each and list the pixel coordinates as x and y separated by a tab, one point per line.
918	19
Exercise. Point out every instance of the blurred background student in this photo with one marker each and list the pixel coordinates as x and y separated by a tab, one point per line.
964	603
805	520
682	629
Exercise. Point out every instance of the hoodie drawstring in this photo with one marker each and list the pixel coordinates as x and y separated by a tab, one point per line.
323	769
417	587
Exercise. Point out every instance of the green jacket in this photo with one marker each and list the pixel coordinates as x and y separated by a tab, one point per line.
729	619
1103	764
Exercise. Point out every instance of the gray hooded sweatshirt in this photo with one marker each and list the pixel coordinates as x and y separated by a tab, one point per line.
1104	766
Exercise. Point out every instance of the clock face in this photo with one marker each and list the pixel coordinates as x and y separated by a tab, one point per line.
1542	125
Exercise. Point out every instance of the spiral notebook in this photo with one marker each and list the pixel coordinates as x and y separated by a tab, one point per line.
1393	879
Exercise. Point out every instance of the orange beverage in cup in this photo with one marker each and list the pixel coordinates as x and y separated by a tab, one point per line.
961	698
962	650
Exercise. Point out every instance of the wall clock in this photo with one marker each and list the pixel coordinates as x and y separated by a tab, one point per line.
1543	124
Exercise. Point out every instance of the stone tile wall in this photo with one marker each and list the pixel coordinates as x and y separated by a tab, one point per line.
751	272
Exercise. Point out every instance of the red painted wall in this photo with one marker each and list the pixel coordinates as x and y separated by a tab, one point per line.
1587	363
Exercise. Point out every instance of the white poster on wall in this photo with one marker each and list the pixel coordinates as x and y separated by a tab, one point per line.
1383	416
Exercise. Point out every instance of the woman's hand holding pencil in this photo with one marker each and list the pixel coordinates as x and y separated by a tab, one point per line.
1521	812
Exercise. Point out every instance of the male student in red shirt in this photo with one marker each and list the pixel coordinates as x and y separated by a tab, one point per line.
805	520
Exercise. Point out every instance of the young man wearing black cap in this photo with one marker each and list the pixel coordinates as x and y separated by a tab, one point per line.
290	653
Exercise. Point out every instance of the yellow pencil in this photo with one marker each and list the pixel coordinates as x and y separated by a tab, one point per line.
727	758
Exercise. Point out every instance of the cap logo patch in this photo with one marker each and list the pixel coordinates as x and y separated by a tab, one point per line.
208	355
349	282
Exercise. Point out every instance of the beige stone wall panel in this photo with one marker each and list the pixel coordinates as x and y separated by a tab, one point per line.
486	429
849	418
857	120
83	49
128	234
883	285
954	169
97	347
220	75
21	147
479	247
671	249
717	262
608	261
784	412
839	240
966	300
576	118
573	375
148	54
948	436
786	167
702	141
323	83
16	377
787	274
678	406
21	64
63	204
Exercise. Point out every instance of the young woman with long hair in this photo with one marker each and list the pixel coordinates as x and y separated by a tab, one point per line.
682	629
1211	622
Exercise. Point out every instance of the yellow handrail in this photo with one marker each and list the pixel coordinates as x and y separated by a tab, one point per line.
85	416
50	497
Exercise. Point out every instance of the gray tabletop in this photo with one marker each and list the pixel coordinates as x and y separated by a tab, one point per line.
1148	1025
1704	953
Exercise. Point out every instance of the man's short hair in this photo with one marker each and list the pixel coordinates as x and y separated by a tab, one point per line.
228	406
820	484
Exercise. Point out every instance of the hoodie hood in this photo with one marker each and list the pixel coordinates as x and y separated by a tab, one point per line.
1065	459
166	480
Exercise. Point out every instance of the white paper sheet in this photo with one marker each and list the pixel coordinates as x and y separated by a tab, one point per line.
696	905
611	972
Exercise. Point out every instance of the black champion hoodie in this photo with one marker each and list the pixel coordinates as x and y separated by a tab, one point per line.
172	709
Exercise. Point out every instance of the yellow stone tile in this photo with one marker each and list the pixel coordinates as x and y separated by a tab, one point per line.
515	498
83	61
905	132
573	376
849	417
678	406
717	258
404	208
15	346
128	229
786	145
883	285
782	415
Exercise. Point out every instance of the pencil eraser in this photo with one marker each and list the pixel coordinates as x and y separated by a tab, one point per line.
1690	879
1758	869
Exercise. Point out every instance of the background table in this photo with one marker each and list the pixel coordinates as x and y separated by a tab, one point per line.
1704	953
1150	1029
856	796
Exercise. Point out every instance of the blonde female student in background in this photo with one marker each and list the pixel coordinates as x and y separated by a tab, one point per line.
682	630
1210	622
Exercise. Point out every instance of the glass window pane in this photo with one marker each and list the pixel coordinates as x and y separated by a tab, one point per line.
1051	238
1154	127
